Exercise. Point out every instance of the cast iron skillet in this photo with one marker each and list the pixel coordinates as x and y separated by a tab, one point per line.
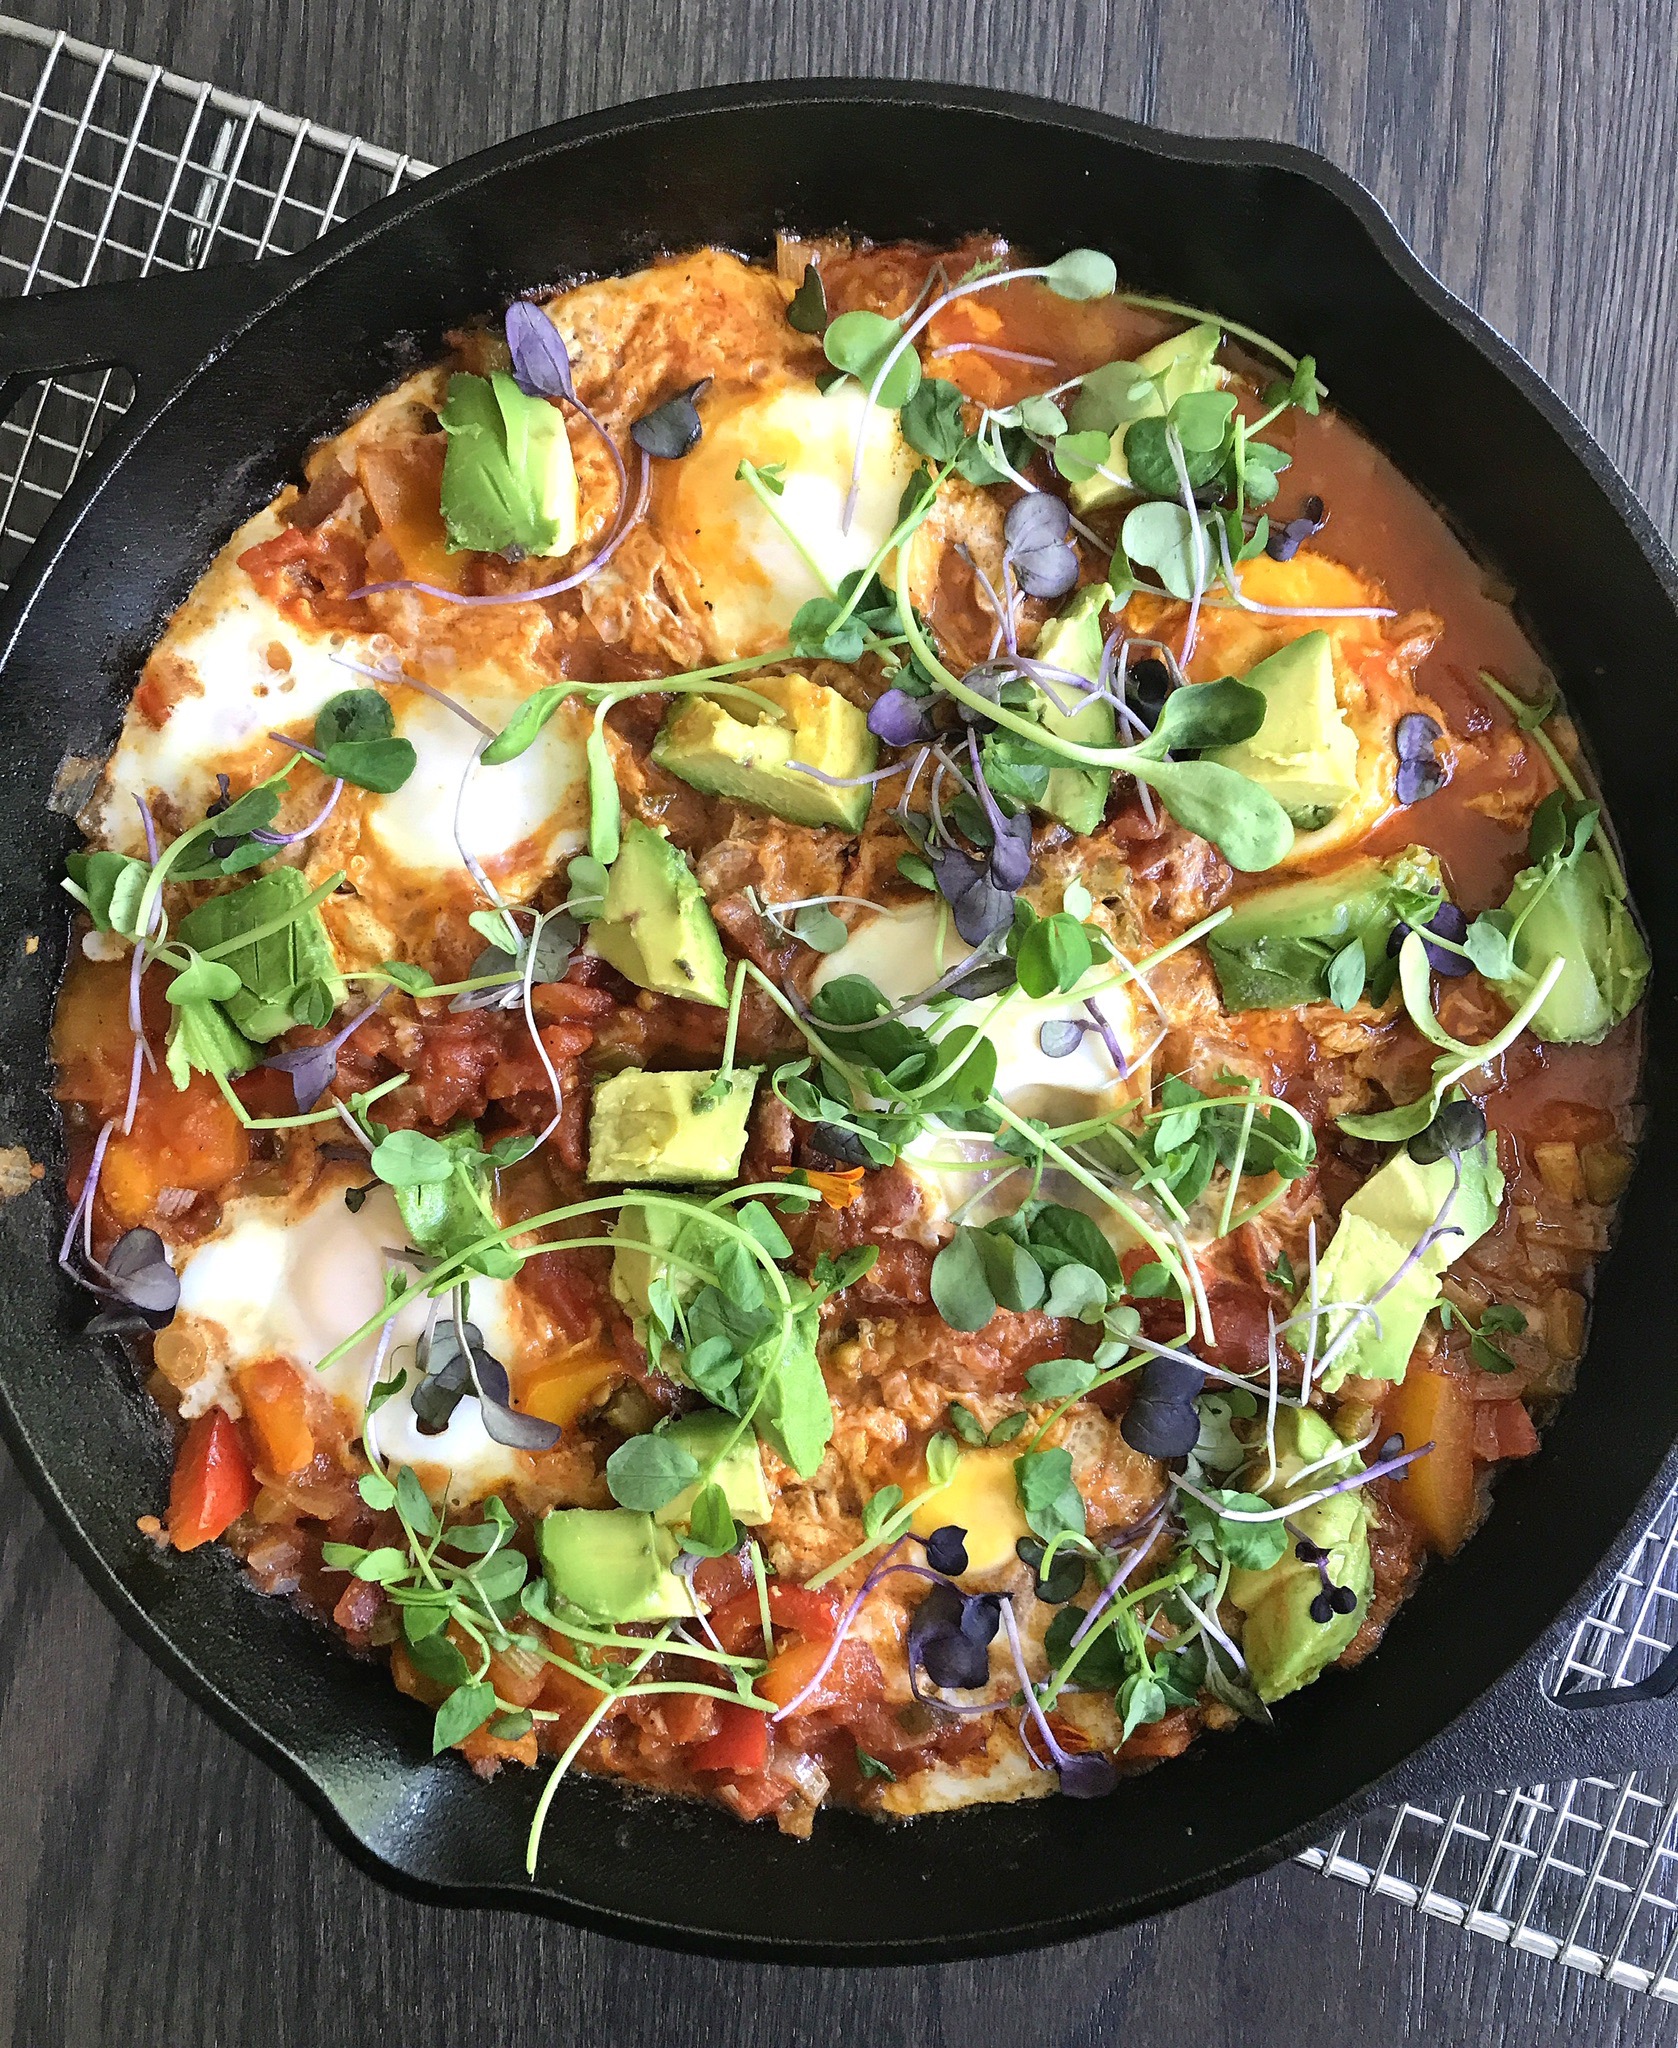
237	370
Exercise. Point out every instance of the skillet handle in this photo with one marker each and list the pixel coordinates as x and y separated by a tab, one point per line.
160	328
1520	1733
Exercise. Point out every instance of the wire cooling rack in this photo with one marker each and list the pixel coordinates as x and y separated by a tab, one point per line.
110	168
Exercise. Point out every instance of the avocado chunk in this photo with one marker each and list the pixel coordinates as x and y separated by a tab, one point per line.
286	977
1284	1646
736	751
1111	398
660	1127
508	477
655	926
634	1271
1578	915
739	1473
1275	950
1379	1230
1304	754
613	1563
1072	640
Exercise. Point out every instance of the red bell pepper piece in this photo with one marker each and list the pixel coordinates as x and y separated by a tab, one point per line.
213	1484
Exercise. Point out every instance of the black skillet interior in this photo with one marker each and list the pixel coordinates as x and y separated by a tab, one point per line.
1265	235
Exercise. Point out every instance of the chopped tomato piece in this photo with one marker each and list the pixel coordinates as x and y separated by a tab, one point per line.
1437	1491
812	1615
1503	1429
741	1742
717	1580
212	1486
279	1413
852	1677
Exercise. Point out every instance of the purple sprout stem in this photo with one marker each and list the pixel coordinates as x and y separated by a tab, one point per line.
1379	1470
1109	1038
400	675
1115	1585
848	781
1033	1706
1004	613
314	824
884	1569
1290	611
1173	442
81	1216
597	562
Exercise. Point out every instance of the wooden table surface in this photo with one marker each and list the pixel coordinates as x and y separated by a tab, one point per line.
159	1886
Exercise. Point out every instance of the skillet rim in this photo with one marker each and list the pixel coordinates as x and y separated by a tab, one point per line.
292	275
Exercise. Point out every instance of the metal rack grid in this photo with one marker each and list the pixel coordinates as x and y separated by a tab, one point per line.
110	168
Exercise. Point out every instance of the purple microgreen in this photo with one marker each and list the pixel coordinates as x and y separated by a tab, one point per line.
1450	923
503	1423
313	1068
1420	774
946	1550
541	365
1162	1420
899	719
1061	1037
672	430
1109	1038
1416	736
137	1281
1285	541
1038	550
1457	1128
1010	852
950	1638
979	908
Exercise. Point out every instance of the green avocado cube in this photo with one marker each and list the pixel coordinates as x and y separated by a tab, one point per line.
1379	1229
1304	754
1580	916
739	1473
655	926
278	970
669	1127
1273	952
634	1270
1284	1645
1111	398
613	1563
734	750
1077	795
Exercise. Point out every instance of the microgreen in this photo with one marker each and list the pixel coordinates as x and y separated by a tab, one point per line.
1496	1319
354	733
672	430
807	308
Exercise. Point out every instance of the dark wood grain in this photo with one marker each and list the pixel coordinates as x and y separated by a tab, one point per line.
159	1886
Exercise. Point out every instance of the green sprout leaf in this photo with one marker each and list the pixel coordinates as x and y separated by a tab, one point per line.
860	342
1082	274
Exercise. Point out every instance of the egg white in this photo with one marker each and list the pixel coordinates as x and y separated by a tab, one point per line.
516	819
291	1278
224	634
751	577
901	952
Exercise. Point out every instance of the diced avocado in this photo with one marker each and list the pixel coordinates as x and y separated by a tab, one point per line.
655	926
740	1473
1077	795
613	1563
1304	754
289	976
1284	1647
508	477
1110	398
1579	916
658	1127
737	751
634	1271
1379	1229
1273	952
